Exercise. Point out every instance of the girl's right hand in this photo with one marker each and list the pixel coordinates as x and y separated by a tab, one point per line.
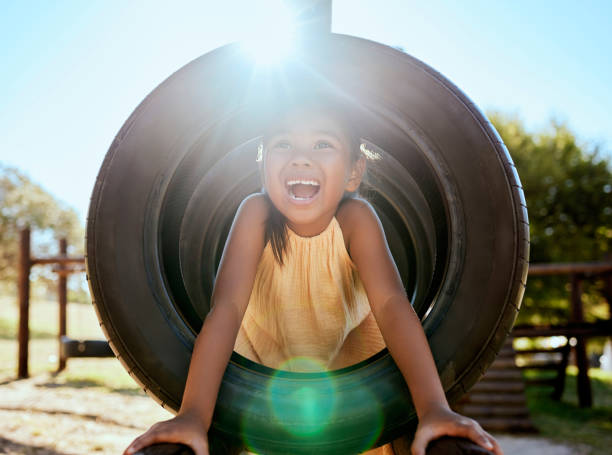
181	429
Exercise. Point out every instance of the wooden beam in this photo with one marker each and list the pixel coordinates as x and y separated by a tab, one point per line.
585	268
68	271
64	260
586	329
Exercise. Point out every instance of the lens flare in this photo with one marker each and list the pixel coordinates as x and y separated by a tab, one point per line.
249	427
371	425
272	38
302	406
298	408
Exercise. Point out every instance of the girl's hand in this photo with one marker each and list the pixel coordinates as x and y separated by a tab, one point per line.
181	429
441	421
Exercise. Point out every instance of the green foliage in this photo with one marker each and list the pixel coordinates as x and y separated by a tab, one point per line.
23	203
590	427
568	188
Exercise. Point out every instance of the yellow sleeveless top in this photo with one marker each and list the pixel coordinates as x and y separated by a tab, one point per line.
306	309
300	313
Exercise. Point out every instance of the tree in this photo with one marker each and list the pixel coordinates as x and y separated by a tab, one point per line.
22	203
568	188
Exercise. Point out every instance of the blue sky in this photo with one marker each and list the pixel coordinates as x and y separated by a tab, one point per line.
71	72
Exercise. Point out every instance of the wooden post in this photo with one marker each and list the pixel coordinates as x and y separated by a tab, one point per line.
62	300
585	398
607	292
23	336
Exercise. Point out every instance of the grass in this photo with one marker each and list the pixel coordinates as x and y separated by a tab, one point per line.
105	373
565	421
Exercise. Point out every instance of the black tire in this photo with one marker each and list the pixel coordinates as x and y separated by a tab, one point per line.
446	190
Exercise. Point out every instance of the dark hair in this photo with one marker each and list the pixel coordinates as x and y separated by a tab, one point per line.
276	223
276	231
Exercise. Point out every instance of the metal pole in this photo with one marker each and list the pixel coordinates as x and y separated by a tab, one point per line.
23	336
62	300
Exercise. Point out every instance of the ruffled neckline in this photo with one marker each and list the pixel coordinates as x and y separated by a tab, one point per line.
329	227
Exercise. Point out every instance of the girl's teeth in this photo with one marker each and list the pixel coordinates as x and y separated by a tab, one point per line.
302	182
302	189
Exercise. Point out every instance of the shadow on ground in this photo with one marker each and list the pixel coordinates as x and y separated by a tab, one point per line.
8	446
85	383
78	384
93	417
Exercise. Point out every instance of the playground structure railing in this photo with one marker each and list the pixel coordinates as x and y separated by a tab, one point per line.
64	266
576	330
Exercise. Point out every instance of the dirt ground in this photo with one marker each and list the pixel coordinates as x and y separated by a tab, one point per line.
41	416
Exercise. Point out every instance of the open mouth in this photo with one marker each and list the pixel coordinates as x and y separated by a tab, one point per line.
302	189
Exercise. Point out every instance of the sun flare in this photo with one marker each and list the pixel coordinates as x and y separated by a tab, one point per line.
272	36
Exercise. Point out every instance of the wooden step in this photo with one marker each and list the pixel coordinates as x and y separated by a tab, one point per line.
498	401
540	366
478	411
495	387
502	375
503	363
514	399
507	351
558	350
509	424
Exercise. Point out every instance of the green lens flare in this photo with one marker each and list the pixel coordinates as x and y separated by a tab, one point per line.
302	406
249	428
371	427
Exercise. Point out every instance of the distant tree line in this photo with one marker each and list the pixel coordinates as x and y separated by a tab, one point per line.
568	188
25	203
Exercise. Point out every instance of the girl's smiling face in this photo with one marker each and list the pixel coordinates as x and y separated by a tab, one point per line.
307	167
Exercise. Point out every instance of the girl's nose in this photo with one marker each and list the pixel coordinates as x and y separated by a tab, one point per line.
300	158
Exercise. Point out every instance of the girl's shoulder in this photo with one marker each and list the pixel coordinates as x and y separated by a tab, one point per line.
357	219
254	209
255	204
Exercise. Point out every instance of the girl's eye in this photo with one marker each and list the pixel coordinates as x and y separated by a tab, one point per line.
322	145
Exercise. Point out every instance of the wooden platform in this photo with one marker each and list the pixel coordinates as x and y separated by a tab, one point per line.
498	400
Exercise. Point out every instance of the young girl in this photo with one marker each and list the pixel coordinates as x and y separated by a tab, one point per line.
306	278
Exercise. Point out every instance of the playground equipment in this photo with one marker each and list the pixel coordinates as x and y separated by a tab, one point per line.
498	400
447	193
576	331
64	266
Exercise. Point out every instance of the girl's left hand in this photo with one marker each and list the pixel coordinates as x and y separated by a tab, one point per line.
441	421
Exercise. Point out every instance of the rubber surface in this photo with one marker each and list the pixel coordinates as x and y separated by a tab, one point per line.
446	190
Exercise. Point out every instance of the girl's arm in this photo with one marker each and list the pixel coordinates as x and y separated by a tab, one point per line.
215	342
402	330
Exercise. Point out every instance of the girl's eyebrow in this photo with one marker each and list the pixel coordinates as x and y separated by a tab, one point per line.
327	133
284	133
